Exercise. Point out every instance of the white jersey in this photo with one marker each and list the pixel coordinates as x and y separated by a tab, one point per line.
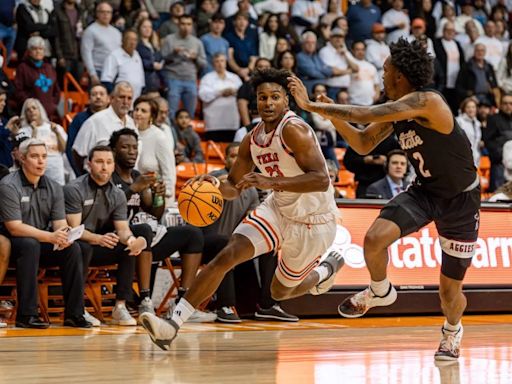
275	159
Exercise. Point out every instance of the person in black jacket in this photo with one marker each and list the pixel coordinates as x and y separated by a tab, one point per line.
444	48
477	78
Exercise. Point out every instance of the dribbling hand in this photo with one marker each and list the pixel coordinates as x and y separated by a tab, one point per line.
202	178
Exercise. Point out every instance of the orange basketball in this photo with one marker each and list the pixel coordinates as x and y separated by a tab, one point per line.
200	204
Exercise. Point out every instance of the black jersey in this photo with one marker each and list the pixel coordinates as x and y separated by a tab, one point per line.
133	199
443	163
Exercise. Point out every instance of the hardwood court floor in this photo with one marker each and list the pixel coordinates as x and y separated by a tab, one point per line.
368	350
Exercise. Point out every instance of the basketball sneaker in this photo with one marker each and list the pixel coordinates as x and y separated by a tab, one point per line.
146	305
227	315
449	348
91	319
161	332
121	316
334	261
357	305
274	313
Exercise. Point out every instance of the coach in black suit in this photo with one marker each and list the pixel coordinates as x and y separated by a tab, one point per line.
394	181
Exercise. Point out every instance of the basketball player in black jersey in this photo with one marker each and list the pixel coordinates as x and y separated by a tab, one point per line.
446	189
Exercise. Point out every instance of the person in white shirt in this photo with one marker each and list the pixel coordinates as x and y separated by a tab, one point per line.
377	51
494	47
231	7
396	22
504	73
100	126
364	86
336	55
98	40
470	124
268	38
125	64
418	29
162	121
467	40
307	13
156	155
218	90
465	16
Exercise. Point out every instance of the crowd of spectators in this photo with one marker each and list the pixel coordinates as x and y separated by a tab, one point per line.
154	66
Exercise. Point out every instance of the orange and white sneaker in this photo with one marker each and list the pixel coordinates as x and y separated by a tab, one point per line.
449	348
357	305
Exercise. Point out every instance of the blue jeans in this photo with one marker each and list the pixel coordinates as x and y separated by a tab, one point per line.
7	36
182	90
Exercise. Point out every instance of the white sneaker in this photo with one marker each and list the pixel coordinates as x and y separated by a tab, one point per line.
91	319
449	348
334	261
146	305
357	305
202	317
121	316
161	332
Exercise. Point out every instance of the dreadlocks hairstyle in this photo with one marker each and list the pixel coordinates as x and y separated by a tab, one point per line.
271	75
413	60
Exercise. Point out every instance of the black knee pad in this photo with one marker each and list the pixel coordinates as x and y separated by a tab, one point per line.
454	267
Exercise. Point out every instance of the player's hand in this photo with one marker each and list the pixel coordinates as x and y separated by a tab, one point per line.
136	245
324	99
201	179
108	240
299	92
158	188
254	179
143	182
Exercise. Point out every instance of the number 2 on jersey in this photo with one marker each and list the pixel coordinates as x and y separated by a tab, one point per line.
424	172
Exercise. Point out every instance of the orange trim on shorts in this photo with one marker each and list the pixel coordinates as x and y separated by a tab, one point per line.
269	227
269	244
293	275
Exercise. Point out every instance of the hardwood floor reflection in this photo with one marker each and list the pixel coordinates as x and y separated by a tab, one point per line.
371	350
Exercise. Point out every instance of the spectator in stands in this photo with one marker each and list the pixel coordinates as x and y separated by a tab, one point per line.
481	12
334	11
16	140
394	182
37	78
217	235
451	58
184	55
243	46
272	6
207	9
336	55
466	15
125	64
246	97
98	41
471	126
502	194
494	48
324	129
424	11
162	121
156	156
32	19
377	51
213	41
218	90
148	48
282	45
364	88
306	14
448	16
396	21
189	141
26	225
369	168
323	33
171	26
94	201
286	60
99	128
310	67
35	123
477	78
333	175
288	31
360	17
231	8
468	39
497	132
7	30
268	38
418	29
70	23
7	128
504	73
98	101
142	191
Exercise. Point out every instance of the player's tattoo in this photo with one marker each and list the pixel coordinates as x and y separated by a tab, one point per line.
381	134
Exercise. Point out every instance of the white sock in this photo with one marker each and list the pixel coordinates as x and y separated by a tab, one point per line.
451	328
323	272
182	312
380	288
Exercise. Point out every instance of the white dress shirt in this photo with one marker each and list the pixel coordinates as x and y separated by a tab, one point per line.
120	66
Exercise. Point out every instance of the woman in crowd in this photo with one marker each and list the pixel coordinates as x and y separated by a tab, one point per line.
35	122
472	127
156	154
504	73
149	51
286	60
268	39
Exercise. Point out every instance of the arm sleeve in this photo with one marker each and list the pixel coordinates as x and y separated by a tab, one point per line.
10	209
73	199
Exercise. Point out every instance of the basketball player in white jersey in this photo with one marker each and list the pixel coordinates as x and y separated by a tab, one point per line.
299	217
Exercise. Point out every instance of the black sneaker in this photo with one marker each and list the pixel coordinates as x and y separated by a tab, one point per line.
77	322
227	315
274	313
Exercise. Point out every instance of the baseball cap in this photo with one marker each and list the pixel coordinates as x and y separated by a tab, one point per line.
19	138
378	28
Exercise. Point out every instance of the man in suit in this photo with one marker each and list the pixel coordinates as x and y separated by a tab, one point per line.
394	181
